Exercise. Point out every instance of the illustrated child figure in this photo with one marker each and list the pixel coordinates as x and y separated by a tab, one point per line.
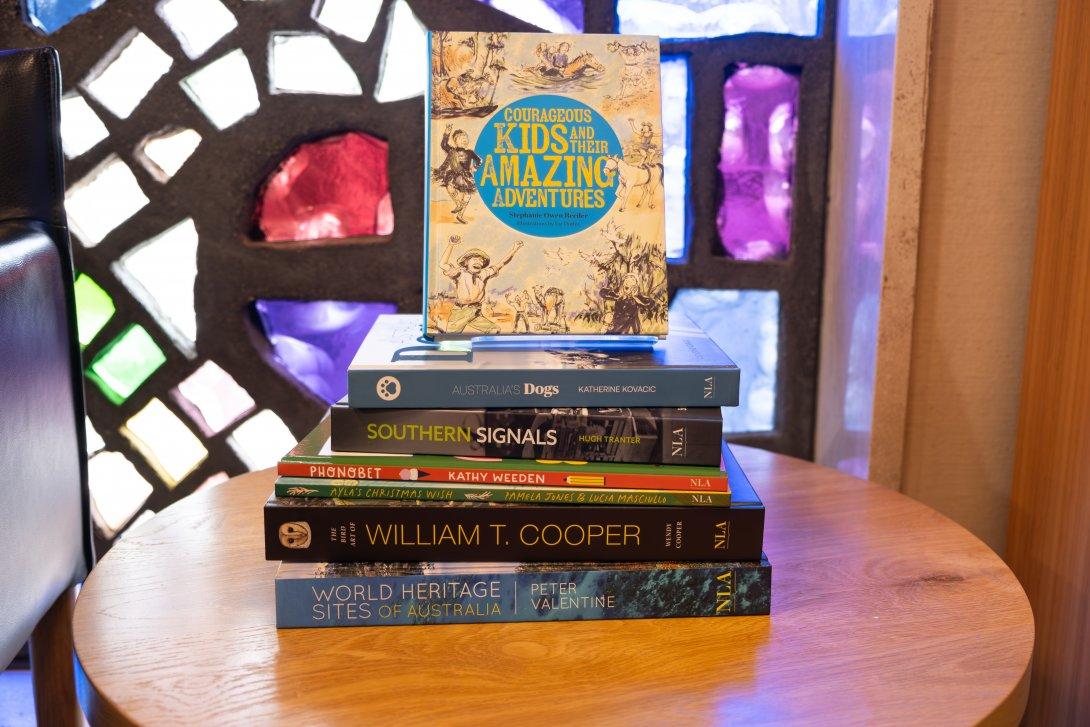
560	58
632	74
521	304
644	149
627	305
470	276
551	301
455	174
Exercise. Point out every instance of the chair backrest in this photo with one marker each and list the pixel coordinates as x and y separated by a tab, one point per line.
44	527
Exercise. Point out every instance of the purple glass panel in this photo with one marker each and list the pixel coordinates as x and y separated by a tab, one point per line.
557	16
757	162
314	340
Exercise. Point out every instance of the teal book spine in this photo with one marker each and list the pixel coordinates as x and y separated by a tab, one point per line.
310	595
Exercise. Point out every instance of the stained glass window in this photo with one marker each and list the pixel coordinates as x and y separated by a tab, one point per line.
244	184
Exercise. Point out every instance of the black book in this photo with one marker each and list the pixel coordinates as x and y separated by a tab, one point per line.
302	529
659	435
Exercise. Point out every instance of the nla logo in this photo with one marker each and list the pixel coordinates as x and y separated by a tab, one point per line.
388	388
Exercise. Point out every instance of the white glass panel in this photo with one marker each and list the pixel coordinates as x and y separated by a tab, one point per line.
715	18
164	153
675	137
81	128
224	90
124	76
536	12
160	273
261	440
308	63
94	439
746	325
102	200
404	68
117	490
213	399
198	24
351	18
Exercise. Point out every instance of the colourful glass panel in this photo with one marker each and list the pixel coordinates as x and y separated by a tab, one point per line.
675	138
757	162
212	399
168	445
745	324
335	187
315	340
49	16
716	18
557	16
94	308
125	363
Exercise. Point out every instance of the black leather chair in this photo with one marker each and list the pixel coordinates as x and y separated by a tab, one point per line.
45	544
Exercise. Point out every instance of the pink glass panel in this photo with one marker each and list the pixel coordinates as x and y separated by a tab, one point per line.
757	162
335	187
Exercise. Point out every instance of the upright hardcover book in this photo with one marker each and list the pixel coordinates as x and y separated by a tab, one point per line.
544	202
312	457
389	594
662	435
395	368
315	530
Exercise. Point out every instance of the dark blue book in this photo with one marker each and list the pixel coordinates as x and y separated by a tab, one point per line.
388	594
396	367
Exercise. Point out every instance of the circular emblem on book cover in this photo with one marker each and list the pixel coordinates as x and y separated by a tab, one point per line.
548	165
388	388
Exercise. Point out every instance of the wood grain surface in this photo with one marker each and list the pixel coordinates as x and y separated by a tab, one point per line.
884	612
1047	543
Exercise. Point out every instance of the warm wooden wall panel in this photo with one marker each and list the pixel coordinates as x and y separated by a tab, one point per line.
1049	537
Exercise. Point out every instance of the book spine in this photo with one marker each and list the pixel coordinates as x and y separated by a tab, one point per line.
365	490
495	388
655	480
724	589
325	531
641	436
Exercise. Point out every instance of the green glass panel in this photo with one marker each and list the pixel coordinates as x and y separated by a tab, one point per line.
125	363
94	308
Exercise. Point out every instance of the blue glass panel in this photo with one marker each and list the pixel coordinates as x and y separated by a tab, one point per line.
315	340
745	324
49	16
557	16
675	140
715	18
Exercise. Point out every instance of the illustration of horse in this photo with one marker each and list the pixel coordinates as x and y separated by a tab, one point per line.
584	70
630	177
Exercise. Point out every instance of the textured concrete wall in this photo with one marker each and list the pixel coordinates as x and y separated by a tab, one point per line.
982	160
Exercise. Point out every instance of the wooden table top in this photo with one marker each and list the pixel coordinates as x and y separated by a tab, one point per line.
883	612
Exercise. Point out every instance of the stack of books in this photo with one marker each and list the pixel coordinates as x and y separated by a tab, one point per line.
525	507
545	441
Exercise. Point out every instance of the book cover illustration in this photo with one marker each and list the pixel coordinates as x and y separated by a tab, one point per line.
378	594
660	435
544	209
396	368
312	457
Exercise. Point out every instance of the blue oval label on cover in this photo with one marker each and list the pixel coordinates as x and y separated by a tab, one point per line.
545	167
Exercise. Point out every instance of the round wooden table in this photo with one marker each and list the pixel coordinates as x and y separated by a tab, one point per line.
883	612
